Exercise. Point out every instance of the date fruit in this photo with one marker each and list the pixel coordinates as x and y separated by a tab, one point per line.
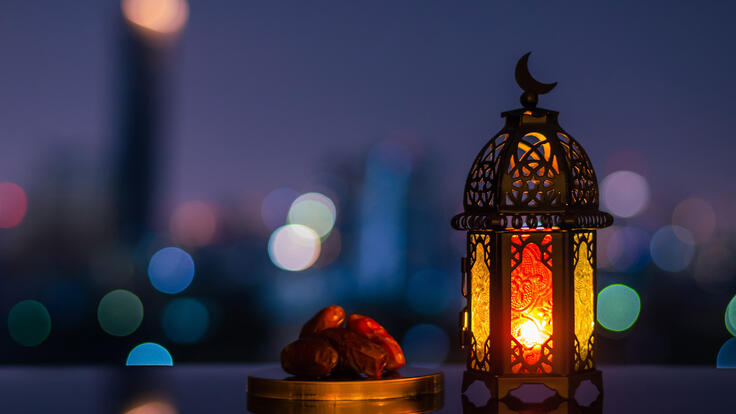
356	353
372	330
309	357
330	317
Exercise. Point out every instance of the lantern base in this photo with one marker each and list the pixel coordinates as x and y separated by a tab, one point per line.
501	385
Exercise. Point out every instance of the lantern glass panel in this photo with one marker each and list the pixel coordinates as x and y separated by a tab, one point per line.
480	303
584	252
531	304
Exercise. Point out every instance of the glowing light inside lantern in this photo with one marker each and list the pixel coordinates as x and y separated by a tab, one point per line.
530	335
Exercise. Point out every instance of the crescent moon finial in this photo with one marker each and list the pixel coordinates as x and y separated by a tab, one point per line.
531	86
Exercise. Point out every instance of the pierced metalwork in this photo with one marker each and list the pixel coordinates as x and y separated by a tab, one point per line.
531	170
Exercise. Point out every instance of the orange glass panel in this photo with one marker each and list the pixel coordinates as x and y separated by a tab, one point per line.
531	306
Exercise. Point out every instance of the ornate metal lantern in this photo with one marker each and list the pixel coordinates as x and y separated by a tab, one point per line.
529	278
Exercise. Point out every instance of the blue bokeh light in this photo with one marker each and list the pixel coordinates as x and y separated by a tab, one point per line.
430	291
149	354
727	355
672	248
185	320
425	345
171	270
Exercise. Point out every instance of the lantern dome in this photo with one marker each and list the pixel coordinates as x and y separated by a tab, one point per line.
531	174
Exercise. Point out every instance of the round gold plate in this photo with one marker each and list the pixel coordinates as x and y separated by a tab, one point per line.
408	383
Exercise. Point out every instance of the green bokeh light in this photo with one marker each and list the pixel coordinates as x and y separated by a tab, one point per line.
731	316
29	323
618	307
120	312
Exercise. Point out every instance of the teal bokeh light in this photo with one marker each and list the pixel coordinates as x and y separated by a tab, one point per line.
730	316
618	307
149	354
185	320
29	323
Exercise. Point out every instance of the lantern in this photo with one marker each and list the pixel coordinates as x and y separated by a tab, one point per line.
529	277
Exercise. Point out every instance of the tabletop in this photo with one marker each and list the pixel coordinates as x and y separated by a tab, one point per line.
185	389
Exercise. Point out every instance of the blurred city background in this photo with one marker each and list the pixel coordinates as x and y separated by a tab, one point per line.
193	180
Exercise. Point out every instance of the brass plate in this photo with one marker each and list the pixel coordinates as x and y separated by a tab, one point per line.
409	383
419	404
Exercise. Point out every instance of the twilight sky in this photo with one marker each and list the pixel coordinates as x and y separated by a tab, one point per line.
267	93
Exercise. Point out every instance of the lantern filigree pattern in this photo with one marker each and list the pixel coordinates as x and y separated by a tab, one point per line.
532	169
531	304
584	248
480	307
483	174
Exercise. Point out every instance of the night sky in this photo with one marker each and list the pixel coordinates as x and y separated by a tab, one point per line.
264	94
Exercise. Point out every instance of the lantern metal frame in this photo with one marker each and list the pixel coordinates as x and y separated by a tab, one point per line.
531	184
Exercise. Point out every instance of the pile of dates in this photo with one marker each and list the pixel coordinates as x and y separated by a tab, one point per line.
328	344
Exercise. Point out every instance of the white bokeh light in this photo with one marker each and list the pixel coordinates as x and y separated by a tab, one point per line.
624	193
294	247
315	211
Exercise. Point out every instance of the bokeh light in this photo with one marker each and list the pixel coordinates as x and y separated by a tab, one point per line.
193	223
275	207
159	16
171	270
185	320
430	291
672	248
120	312
29	323
315	211
697	216
425	345
294	247
153	407
727	355
730	316
624	193
13	205
627	249
149	354
618	307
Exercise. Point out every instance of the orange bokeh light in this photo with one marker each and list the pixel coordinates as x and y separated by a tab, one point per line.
158	16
